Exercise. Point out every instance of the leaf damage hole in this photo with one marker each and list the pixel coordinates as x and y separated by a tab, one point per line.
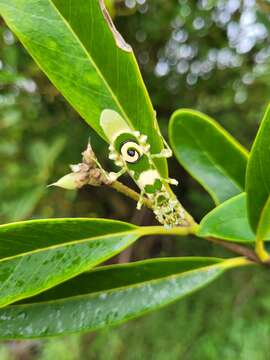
120	42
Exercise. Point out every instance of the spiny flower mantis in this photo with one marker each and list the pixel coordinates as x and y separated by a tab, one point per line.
130	151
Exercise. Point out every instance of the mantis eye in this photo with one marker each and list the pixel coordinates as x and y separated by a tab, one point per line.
131	152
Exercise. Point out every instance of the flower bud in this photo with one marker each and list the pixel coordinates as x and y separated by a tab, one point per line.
68	182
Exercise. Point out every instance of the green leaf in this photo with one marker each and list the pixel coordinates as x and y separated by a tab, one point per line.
258	174
110	295
37	255
263	231
211	155
110	6
76	44
228	221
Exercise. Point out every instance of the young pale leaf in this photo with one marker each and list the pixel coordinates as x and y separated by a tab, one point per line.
228	221
110	295
37	255
76	44
258	176
211	155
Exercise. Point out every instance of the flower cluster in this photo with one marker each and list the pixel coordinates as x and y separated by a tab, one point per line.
88	172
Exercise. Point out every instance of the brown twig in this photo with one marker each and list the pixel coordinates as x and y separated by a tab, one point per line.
237	249
118	186
192	230
233	247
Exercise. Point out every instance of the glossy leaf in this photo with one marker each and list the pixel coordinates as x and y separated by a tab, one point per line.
76	44
228	221
109	296
211	155
258	174
263	231
110	6
37	255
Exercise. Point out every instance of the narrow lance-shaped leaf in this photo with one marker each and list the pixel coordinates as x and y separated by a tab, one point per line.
211	155
77	46
258	176
110	295
263	231
36	255
228	221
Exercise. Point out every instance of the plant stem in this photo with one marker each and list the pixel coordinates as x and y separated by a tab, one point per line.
235	262
260	256
260	250
236	248
192	230
161	230
118	186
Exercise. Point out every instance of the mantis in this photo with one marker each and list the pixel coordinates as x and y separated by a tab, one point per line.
130	151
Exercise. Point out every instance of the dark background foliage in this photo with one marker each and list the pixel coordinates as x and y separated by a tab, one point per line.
210	55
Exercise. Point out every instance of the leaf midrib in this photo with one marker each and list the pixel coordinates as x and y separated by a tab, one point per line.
212	160
73	242
124	287
93	62
68	26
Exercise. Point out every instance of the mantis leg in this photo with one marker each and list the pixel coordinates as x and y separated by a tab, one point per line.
140	202
171	181
165	153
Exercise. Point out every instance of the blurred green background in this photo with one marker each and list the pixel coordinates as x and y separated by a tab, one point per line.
210	55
